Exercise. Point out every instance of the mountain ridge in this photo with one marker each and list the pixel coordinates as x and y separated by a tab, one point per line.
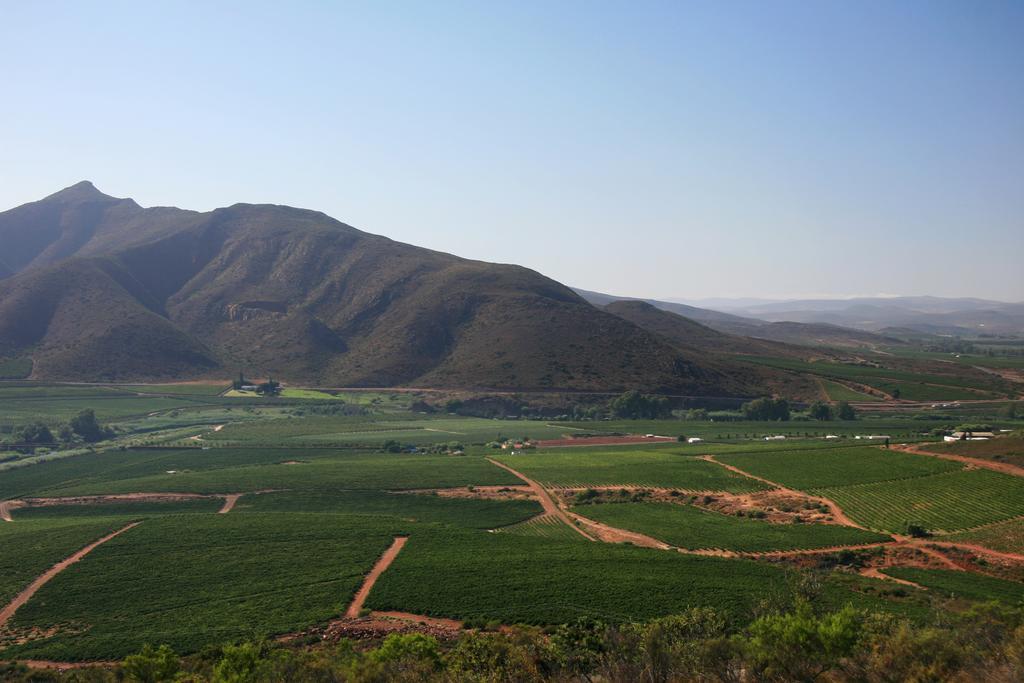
298	294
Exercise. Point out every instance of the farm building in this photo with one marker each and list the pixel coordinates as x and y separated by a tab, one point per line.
969	436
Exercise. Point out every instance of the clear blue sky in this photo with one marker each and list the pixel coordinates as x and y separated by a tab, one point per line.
664	149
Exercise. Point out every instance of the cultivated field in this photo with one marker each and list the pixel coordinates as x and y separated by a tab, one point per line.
688	527
580	468
263	517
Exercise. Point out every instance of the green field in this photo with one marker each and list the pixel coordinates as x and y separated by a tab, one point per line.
685	526
365	430
31	547
840	392
323	472
53	405
113	466
808	469
466	512
1003	449
961	383
521	579
965	585
191	580
131	509
547	526
15	368
322	499
184	389
1005	536
949	501
627	467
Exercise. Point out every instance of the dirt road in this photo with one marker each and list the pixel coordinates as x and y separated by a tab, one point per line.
25	595
875	573
545	499
229	502
383	563
8	506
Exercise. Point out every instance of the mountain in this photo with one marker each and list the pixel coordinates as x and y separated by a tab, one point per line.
694	338
701	315
95	287
805	334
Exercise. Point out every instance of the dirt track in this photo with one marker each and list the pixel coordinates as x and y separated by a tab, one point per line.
610	534
875	573
6	507
383	563
25	595
546	501
229	502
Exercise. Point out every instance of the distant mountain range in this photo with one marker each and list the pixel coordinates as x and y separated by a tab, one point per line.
924	314
98	288
808	333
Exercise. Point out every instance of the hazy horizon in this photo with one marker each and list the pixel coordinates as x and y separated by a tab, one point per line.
659	151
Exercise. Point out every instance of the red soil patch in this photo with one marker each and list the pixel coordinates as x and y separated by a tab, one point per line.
837	512
480	492
229	502
7	612
65	666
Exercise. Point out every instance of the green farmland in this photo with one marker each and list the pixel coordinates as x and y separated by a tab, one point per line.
949	501
810	469
316	486
688	527
580	468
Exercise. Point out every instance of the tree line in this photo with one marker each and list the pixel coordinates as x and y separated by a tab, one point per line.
801	643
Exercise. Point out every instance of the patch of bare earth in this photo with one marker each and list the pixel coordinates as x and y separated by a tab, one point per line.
356	606
65	666
481	492
838	516
778	507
